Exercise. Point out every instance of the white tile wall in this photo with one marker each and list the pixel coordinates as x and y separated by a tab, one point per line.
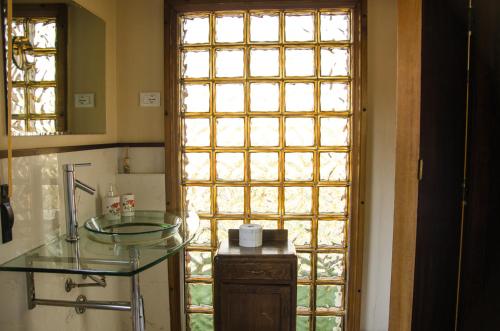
149	189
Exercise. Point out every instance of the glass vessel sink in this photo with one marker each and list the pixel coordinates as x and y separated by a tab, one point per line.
88	256
145	227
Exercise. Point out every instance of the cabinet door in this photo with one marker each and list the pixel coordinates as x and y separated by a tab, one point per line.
255	308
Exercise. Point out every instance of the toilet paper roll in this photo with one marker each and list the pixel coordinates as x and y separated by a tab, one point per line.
250	235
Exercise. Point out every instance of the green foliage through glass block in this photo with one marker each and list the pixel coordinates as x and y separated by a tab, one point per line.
328	296
330	265
198	264
303	296
304	265
201	322
200	295
328	323
302	323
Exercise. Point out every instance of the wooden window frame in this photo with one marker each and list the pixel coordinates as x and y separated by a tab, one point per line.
172	8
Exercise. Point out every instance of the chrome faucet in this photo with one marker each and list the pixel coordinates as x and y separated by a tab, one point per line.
70	186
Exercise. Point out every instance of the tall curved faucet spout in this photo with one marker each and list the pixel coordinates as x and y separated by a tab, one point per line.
70	185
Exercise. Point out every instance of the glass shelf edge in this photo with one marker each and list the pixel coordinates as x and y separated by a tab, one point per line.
94	258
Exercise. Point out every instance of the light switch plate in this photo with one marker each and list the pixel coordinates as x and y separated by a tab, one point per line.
150	99
84	100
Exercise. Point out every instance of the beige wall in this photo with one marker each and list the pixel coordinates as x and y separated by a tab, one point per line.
106	9
140	68
381	137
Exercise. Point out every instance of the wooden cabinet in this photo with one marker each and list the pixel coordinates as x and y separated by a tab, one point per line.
256	288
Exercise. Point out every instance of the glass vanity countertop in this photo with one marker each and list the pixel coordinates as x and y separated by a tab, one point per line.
91	257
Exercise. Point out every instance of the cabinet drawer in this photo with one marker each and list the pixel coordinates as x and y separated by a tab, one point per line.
255	270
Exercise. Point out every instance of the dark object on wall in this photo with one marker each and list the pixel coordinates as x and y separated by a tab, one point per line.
6	214
256	288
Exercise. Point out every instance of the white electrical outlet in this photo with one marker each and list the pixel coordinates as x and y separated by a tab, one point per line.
150	99
84	100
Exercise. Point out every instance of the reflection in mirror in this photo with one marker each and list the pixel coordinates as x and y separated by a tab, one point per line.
58	69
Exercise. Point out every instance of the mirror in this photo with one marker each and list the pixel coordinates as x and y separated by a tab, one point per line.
58	69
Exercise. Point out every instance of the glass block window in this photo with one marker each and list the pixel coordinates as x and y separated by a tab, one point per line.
266	109
37	71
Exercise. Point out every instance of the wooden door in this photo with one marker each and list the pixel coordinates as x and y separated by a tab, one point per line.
456	279
443	105
480	286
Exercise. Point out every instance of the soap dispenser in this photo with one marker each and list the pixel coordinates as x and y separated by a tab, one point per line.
6	214
111	204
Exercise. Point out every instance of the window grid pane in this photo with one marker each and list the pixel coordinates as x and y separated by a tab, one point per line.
294	122
34	104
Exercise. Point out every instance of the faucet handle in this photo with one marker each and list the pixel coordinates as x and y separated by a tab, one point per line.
70	167
87	164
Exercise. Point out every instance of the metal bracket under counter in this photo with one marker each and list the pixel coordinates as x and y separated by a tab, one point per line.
136	305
